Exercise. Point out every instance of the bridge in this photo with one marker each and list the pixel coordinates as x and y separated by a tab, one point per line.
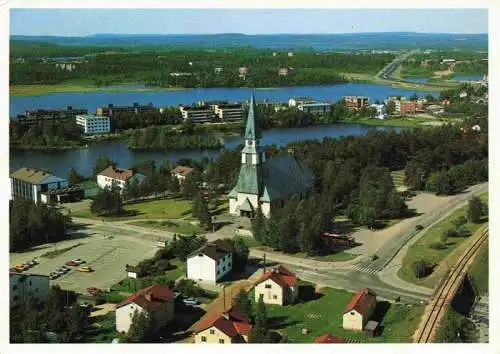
446	290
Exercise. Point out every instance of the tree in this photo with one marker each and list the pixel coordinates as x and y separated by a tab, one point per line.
74	177
107	202
240	254
102	163
201	212
421	268
243	303
476	210
259	333
140	330
391	107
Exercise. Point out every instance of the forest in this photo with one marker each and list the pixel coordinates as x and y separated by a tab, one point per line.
197	68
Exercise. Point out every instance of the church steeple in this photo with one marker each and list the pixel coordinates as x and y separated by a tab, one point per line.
252	154
252	130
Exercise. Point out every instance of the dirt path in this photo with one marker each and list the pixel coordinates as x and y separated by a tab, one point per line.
103	309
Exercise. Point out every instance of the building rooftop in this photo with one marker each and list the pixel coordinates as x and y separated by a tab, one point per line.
215	249
34	176
116	173
231	323
183	170
280	275
150	298
327	338
361	301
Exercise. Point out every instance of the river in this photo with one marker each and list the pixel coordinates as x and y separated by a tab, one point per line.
83	160
92	100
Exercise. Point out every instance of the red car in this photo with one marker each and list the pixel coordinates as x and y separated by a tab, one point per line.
71	263
94	291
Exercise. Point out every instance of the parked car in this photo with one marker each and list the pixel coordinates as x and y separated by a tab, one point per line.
66	269
85	269
54	275
191	302
14	269
59	272
71	263
419	227
94	291
21	267
31	263
78	261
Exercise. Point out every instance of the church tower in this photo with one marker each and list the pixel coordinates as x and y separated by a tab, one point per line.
252	154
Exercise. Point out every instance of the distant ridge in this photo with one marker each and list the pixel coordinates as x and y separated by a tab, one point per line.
341	41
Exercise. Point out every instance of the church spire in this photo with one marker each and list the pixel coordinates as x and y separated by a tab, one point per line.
252	130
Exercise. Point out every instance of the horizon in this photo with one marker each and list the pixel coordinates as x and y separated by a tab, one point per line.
88	22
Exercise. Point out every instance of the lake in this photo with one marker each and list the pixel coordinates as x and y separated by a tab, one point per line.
83	160
92	100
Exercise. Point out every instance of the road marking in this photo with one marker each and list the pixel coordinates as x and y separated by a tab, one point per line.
365	269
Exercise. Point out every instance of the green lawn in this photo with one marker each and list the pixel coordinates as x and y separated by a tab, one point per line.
479	270
324	314
172	208
181	227
103	329
420	250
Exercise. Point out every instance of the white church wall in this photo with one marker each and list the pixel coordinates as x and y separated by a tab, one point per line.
266	209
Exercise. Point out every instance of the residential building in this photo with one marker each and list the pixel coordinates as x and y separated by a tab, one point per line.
53	115
94	124
320	109
356	102
217	70
40	186
265	183
229	112
136	108
211	262
112	174
243	70
381	111
181	173
408	107
228	327
23	285
327	338
295	101
290	54
148	300
277	286
359	310
200	114
448	61
283	72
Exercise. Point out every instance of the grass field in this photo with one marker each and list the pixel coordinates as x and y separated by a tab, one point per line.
420	250
181	227
479	270
172	208
400	122
89	183
324	314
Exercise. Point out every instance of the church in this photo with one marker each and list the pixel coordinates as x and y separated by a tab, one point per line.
265	183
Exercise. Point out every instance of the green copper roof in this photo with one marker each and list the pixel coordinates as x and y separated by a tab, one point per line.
252	130
248	180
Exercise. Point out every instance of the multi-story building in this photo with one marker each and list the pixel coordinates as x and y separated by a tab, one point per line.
210	262
33	184
197	114
320	108
94	124
56	115
136	108
229	112
24	285
408	107
112	174
380	111
295	101
356	102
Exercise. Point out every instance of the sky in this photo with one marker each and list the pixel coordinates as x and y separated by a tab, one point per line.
82	22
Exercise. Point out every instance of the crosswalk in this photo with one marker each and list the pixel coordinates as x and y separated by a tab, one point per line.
365	268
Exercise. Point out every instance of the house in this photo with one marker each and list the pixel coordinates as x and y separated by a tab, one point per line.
380	111
217	70
295	101
30	118
462	94
266	183
117	175
197	114
93	124
229	327
476	128
448	61
290	54
327	338
408	107
24	285
210	262
356	102
359	310
243	70
40	186
181	173
277	287
146	300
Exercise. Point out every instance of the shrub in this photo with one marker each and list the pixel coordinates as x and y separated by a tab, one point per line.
450	233
374	257
421	268
461	220
438	245
463	231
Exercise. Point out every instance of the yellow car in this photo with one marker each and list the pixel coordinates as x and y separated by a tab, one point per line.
85	269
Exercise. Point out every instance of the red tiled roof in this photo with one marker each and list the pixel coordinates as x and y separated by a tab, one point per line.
182	170
150	297
327	338
235	323
280	275
361	301
117	173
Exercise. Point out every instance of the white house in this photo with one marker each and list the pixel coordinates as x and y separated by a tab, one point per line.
32	184
24	285
114	174
94	124
146	300
359	310
210	262
295	101
381	111
277	287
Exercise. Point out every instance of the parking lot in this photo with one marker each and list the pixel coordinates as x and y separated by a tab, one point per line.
107	256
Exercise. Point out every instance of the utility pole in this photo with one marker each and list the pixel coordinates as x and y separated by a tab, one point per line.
224	297
264	262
